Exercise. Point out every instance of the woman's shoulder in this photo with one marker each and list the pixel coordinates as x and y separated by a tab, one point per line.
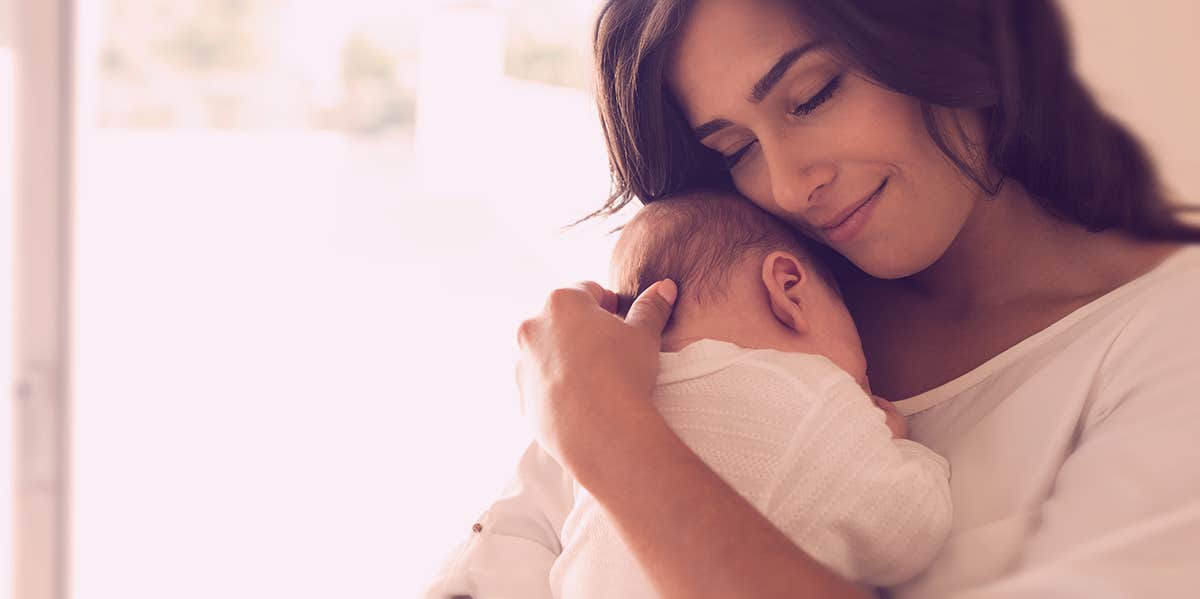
1169	292
1156	312
1148	326
1165	283
1154	356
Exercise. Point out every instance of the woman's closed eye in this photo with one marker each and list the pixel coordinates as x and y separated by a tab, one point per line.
818	98
803	109
732	160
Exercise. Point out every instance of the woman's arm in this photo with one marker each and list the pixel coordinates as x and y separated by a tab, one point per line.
695	535
586	378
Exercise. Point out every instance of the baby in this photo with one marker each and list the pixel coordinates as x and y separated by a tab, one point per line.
762	375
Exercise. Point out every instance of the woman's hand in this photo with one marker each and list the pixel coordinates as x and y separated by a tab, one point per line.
583	369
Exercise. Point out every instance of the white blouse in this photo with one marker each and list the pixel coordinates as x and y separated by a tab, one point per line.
1076	453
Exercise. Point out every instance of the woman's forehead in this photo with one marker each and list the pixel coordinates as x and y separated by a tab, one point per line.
726	46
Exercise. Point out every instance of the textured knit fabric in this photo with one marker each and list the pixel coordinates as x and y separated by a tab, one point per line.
798	438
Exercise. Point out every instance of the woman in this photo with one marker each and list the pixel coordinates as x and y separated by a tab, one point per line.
1021	290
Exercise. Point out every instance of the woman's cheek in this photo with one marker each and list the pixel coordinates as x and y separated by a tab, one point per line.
754	182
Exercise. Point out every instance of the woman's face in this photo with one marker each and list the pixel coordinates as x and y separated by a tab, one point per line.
812	141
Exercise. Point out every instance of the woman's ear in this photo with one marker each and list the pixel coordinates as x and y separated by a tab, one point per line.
786	280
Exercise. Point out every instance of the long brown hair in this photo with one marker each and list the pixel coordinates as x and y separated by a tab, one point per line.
1009	59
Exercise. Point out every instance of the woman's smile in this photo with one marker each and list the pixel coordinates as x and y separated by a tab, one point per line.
848	226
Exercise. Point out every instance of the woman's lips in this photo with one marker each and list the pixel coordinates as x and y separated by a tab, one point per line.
849	226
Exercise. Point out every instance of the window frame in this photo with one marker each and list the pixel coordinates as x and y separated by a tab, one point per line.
43	46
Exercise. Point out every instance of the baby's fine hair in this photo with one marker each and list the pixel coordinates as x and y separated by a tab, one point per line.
697	239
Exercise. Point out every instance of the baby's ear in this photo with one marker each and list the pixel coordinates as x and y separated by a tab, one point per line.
786	280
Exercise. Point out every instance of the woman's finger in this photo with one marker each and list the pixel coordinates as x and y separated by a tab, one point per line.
607	299
651	310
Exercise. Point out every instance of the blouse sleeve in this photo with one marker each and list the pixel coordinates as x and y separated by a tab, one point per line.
514	543
1123	518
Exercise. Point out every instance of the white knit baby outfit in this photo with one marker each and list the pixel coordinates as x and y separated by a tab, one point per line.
799	439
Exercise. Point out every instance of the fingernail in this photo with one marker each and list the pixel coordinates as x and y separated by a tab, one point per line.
667	290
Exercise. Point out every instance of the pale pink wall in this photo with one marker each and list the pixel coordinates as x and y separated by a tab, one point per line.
1140	58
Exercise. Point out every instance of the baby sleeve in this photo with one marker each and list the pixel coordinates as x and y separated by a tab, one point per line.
873	508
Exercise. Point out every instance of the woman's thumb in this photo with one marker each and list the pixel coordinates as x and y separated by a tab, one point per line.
652	308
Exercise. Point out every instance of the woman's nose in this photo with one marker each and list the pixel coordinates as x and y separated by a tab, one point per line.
797	184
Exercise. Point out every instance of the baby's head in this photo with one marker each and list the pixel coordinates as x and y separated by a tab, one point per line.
744	277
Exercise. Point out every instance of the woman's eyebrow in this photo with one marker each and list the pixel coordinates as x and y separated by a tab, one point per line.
762	88
785	62
710	127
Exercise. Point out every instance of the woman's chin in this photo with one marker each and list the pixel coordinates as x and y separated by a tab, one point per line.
885	264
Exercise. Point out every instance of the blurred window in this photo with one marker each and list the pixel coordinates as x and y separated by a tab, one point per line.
307	232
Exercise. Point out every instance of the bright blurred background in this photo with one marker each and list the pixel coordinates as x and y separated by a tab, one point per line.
305	233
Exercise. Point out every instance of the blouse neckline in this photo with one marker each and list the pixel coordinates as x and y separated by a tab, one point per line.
954	387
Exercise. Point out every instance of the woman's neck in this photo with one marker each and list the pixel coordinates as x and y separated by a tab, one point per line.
1011	250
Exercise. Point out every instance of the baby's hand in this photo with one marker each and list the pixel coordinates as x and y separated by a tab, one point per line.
894	420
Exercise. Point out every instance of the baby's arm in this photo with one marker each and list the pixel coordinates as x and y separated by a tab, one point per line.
874	507
817	459
513	544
